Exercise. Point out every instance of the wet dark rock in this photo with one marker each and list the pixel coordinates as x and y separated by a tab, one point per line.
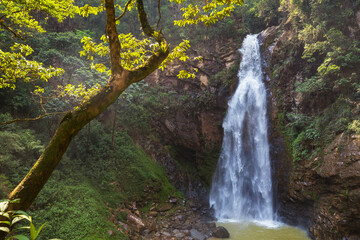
182	223
153	213
166	234
221	232
197	235
211	225
165	207
179	235
173	200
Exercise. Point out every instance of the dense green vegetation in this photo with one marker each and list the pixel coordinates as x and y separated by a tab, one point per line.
329	84
92	180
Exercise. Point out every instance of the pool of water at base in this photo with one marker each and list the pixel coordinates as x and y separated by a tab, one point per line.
263	231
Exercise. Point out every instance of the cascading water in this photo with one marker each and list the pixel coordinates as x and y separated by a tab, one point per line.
241	187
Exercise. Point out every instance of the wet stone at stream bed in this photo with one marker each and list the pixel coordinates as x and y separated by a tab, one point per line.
169	221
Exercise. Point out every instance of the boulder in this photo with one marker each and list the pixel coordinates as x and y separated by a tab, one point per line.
165	207
211	225
153	213
220	232
197	235
135	222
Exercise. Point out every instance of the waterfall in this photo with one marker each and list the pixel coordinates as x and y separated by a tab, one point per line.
241	187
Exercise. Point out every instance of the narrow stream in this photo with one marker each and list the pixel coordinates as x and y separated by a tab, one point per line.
241	192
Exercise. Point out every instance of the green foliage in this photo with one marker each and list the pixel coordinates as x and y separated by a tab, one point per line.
226	76
18	14
308	135
208	14
312	85
86	10
20	145
74	208
179	52
298	148
259	14
330	55
92	178
79	92
16	19
355	126
134	53
15	216
141	103
327	45
14	66
209	159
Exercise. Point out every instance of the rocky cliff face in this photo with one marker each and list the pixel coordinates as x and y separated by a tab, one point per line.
190	132
320	192
317	189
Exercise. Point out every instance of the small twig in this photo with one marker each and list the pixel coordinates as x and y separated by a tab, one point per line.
42	105
10	30
31	119
126	8
10	13
157	25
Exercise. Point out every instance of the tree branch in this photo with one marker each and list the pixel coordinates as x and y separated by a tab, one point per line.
113	38
10	30
153	62
150	65
31	119
147	29
126	8
157	25
9	14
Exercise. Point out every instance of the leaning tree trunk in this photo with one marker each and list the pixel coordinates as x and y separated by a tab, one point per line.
75	120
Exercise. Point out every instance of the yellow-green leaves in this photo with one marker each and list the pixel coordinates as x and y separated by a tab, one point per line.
186	74
91	48
177	1
355	126
24	49
209	13
134	52
14	66
179	52
99	67
38	90
17	20
16	14
86	10
79	92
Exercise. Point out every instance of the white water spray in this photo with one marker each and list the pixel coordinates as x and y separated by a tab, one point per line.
241	187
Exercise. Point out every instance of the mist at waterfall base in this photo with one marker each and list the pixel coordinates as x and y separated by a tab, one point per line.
241	191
